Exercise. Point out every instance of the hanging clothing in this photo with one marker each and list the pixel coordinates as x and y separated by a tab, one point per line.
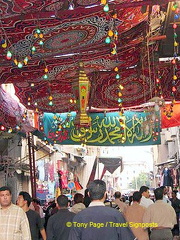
46	171
175	177
167	181
51	171
40	165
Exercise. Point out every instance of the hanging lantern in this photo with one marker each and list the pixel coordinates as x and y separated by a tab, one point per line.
15	62
117	76
174	25
110	33
174	77
26	59
103	2
113	51
38	31
20	65
9	55
106	8
46	70
107	40
45	76
50	98
50	103
175	44
4	45
33	48
81	88
41	42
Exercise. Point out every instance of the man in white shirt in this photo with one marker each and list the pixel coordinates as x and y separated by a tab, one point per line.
162	215
14	224
145	200
165	196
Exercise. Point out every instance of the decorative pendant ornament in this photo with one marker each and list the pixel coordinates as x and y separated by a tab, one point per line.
106	8
168	110
13	55
81	88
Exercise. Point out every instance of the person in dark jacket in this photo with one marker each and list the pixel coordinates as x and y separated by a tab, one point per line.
87	199
35	222
97	221
57	226
176	205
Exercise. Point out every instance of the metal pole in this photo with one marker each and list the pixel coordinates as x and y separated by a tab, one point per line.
30	164
34	167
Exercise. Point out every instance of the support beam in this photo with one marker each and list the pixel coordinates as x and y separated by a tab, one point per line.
32	164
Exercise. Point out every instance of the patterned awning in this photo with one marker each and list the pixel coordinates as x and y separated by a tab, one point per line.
71	36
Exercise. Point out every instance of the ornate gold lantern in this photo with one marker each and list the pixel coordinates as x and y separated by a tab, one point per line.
81	87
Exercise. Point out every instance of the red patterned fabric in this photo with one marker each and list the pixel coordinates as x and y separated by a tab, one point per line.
174	121
80	35
11	113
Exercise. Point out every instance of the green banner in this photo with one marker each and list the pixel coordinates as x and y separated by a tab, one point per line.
107	129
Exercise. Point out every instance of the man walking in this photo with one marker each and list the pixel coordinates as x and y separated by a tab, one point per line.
134	215
176	205
57	226
163	215
13	221
97	221
145	200
119	204
35	222
165	196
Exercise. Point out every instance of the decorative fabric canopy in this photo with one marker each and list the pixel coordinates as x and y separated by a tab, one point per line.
12	113
174	121
70	36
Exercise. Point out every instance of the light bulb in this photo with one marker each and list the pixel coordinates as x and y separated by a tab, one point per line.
33	48
106	8
103	2
107	40
38	30
117	76
110	33
9	55
20	65
174	77
41	42
45	76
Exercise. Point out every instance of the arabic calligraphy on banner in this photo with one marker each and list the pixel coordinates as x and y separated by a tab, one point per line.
105	130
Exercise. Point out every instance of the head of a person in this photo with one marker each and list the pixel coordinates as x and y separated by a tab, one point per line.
137	196
158	193
164	190
69	203
97	190
5	197
174	193
130	199
24	199
35	202
78	198
123	199
62	202
144	190
86	192
117	195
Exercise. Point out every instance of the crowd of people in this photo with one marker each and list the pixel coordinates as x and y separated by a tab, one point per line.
92	216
